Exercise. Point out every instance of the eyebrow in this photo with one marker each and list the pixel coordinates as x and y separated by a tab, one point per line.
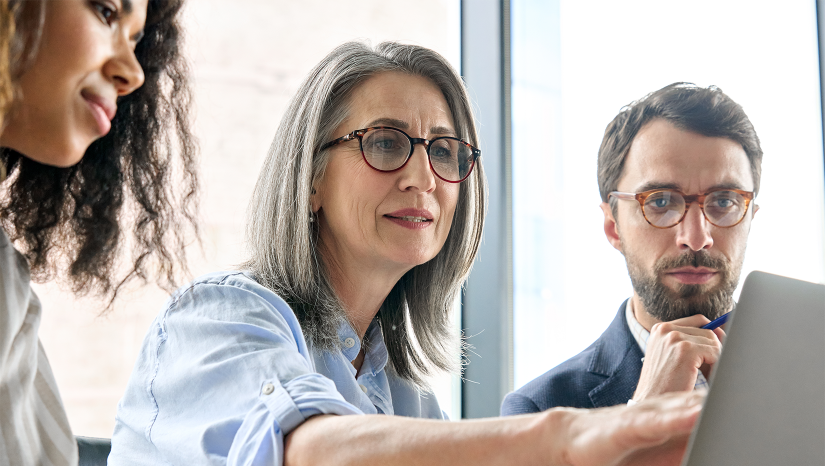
649	186
127	6
401	124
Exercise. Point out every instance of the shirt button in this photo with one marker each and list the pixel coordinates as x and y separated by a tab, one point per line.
268	389
349	342
363	388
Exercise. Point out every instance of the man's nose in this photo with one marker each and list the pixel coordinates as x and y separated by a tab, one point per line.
694	231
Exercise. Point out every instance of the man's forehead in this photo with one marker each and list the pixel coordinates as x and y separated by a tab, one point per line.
664	156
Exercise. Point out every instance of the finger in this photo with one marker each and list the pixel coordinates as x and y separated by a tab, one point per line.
660	418
703	353
605	436
720	334
669	453
675	340
689	351
673	409
695	321
669	327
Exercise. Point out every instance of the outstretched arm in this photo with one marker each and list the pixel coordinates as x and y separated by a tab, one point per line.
655	431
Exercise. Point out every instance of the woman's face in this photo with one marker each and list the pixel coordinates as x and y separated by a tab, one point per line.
85	61
388	221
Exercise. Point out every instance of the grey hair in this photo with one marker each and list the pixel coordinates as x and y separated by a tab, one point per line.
283	241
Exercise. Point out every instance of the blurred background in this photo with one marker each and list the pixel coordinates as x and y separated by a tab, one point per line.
546	77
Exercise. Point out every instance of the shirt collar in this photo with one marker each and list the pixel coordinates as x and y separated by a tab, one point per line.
376	351
640	334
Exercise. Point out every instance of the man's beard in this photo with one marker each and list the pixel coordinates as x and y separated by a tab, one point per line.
665	304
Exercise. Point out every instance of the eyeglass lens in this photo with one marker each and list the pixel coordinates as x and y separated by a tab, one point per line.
388	149
722	208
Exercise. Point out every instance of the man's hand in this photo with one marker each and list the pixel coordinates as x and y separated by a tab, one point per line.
676	352
654	432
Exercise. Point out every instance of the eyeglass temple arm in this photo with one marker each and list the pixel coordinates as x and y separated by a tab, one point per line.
344	138
621	195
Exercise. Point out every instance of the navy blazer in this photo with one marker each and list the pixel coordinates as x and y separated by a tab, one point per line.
605	374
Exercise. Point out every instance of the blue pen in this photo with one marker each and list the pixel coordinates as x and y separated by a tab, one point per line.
718	322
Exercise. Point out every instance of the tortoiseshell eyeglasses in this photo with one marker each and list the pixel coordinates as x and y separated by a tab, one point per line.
665	208
387	149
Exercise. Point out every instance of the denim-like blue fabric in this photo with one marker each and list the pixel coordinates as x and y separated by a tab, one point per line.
224	373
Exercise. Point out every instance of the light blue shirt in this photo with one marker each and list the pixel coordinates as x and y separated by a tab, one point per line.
224	374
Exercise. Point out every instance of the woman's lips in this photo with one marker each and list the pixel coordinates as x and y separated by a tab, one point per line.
103	111
414	219
692	275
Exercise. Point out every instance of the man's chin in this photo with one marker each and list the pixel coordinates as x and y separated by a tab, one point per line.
689	300
695	293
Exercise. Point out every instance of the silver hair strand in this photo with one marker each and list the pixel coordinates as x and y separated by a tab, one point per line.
282	240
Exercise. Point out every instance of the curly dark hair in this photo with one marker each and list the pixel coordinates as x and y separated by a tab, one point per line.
136	187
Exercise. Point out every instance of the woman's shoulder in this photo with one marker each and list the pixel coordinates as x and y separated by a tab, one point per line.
229	296
13	266
4	239
229	282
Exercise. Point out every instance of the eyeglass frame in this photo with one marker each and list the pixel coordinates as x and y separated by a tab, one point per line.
689	199
359	133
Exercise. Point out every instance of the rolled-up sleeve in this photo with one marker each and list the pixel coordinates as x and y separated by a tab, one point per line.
224	375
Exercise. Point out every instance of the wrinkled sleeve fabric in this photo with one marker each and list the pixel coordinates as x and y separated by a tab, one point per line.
34	428
224	375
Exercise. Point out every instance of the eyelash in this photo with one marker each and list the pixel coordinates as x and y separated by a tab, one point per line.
102	9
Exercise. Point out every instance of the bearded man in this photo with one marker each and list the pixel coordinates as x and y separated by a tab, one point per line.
678	171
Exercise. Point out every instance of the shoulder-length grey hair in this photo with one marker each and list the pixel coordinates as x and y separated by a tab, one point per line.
283	242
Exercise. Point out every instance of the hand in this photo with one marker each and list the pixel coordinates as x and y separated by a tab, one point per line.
654	432
676	352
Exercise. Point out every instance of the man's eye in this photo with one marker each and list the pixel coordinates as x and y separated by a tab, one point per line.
724	203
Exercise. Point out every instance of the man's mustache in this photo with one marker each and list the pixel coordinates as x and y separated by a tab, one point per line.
693	259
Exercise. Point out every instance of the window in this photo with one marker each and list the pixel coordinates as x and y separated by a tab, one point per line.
248	58
575	64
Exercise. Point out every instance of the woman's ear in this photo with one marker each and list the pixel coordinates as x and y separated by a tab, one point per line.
315	200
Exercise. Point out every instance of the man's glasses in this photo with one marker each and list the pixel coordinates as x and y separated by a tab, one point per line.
665	208
388	149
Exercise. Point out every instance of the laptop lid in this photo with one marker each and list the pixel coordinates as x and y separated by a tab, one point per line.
766	404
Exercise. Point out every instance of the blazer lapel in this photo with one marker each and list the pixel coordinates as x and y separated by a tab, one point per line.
618	357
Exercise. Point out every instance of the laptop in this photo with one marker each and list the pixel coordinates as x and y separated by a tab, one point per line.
766	403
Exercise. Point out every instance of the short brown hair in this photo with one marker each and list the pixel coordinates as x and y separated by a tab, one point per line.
702	110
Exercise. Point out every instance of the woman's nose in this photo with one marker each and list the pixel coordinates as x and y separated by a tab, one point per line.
123	69
417	175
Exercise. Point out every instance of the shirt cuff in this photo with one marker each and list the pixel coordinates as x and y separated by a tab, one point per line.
302	397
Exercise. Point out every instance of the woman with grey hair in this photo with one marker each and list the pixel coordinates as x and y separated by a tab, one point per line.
364	224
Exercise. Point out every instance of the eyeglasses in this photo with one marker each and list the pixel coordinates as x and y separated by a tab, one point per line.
388	149
665	208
